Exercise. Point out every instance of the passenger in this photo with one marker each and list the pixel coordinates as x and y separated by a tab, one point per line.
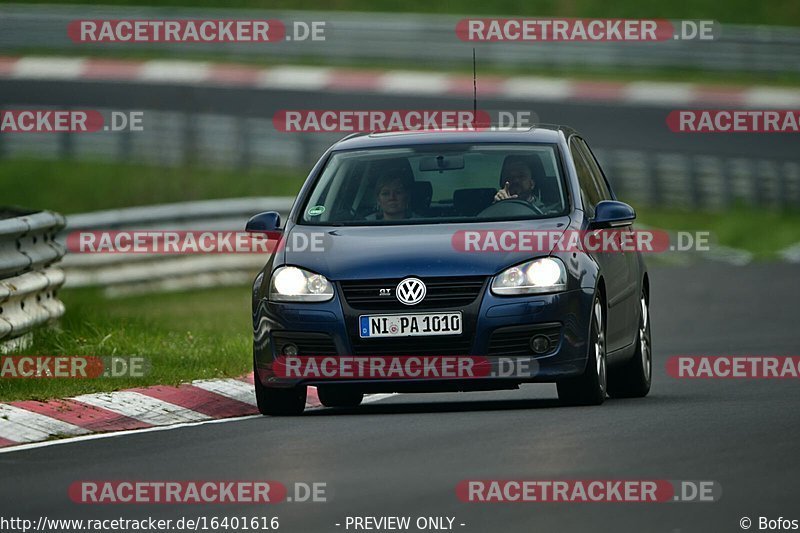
393	195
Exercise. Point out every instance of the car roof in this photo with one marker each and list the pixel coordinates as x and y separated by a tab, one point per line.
542	133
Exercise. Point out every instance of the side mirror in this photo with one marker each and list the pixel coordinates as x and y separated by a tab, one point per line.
612	214
264	222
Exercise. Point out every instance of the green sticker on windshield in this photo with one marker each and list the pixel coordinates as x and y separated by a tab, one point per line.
316	211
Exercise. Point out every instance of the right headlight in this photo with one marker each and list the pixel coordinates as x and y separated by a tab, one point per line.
293	284
539	276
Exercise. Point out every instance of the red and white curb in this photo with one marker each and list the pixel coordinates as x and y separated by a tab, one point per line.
392	82
135	409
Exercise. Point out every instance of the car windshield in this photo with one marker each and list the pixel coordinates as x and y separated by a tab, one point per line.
438	184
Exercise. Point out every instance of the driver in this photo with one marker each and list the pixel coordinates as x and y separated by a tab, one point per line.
519	184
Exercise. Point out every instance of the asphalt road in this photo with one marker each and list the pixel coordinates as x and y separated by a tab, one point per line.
404	455
610	126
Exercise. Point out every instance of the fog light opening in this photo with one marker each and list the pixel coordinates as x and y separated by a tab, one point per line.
289	349
540	344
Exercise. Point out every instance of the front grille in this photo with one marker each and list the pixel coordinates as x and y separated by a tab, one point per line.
307	343
444	345
515	340
442	293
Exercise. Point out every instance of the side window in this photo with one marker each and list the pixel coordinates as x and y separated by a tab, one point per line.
594	168
590	196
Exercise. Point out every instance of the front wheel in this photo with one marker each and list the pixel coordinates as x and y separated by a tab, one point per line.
633	379
589	388
280	402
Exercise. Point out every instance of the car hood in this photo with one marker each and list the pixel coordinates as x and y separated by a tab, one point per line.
359	252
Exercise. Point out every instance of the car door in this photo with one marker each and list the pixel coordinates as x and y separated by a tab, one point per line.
613	264
629	298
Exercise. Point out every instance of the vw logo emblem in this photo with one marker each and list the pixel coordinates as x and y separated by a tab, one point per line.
410	291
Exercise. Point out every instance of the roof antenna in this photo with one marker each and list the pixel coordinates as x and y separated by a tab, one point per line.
474	88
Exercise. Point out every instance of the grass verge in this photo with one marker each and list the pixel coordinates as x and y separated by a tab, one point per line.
182	336
762	232
80	186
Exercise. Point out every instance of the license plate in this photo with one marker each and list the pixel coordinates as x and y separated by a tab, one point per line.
410	325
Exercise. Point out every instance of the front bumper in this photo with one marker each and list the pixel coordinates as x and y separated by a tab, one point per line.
330	329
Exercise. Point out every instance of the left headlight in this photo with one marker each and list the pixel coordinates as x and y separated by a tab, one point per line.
292	284
534	277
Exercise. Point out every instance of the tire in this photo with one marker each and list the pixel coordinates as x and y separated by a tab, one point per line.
339	396
589	388
280	402
633	379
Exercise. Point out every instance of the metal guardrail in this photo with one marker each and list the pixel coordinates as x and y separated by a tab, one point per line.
122	274
28	283
791	254
701	181
409	39
644	177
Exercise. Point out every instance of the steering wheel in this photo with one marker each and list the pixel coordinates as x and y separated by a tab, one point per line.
510	207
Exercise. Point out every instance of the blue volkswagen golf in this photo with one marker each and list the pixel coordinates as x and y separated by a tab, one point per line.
391	250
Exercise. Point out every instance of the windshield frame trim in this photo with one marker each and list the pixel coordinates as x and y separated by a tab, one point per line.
310	185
